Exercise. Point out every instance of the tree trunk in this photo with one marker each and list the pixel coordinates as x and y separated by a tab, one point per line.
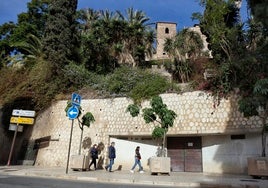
82	131
264	135
163	152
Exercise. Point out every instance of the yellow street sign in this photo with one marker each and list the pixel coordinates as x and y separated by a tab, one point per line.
22	120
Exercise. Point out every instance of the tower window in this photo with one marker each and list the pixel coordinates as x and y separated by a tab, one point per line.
167	30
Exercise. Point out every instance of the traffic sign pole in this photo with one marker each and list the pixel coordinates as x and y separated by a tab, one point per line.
12	145
70	142
72	113
19	120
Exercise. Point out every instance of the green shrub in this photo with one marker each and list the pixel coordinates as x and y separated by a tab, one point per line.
76	74
151	85
123	80
133	82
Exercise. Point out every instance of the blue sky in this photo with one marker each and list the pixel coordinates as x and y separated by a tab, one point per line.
178	11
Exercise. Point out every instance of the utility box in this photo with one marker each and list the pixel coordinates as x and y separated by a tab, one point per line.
159	164
258	166
79	162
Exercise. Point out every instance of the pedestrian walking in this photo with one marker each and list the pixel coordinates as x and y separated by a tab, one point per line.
94	156
111	155
137	161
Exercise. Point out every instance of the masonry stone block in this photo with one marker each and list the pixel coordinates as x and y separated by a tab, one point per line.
195	113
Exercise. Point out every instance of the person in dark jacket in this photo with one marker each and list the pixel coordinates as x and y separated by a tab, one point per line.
112	155
94	156
137	161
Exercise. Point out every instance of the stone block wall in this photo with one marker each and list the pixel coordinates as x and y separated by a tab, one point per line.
196	115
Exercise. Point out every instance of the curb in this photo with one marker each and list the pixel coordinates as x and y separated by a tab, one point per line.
182	181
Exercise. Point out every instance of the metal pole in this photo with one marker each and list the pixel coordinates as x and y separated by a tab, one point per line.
12	145
82	130
70	142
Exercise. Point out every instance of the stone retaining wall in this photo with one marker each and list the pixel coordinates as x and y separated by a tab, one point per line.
196	112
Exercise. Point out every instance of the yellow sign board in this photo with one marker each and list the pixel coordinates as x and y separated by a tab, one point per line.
22	120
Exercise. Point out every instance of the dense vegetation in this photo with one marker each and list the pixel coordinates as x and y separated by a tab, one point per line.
54	50
66	50
239	54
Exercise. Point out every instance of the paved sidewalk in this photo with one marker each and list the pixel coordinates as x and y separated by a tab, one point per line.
174	179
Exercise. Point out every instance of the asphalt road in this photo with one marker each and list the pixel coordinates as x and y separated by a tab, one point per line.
7	181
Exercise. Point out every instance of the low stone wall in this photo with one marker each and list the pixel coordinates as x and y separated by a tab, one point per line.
197	115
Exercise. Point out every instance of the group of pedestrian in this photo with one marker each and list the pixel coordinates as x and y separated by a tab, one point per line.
112	155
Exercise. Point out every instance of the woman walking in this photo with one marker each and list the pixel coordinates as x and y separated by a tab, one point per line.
137	161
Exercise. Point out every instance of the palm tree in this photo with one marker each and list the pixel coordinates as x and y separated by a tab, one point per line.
96	39
149	39
136	17
107	16
138	38
87	16
186	45
114	39
30	48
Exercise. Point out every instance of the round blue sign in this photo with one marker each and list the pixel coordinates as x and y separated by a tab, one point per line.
73	112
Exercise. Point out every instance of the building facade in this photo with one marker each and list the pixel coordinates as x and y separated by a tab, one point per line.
204	138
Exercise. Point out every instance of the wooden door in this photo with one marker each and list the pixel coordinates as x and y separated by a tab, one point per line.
193	160
185	154
177	159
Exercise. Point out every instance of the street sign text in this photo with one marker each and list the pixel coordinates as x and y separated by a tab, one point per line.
22	120
25	113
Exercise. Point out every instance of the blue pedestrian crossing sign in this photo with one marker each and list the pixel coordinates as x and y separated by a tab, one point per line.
73	112
76	99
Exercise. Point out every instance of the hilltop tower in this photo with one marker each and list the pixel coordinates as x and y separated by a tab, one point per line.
163	30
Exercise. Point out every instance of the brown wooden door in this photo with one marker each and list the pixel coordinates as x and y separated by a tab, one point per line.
193	160
185	154
177	159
